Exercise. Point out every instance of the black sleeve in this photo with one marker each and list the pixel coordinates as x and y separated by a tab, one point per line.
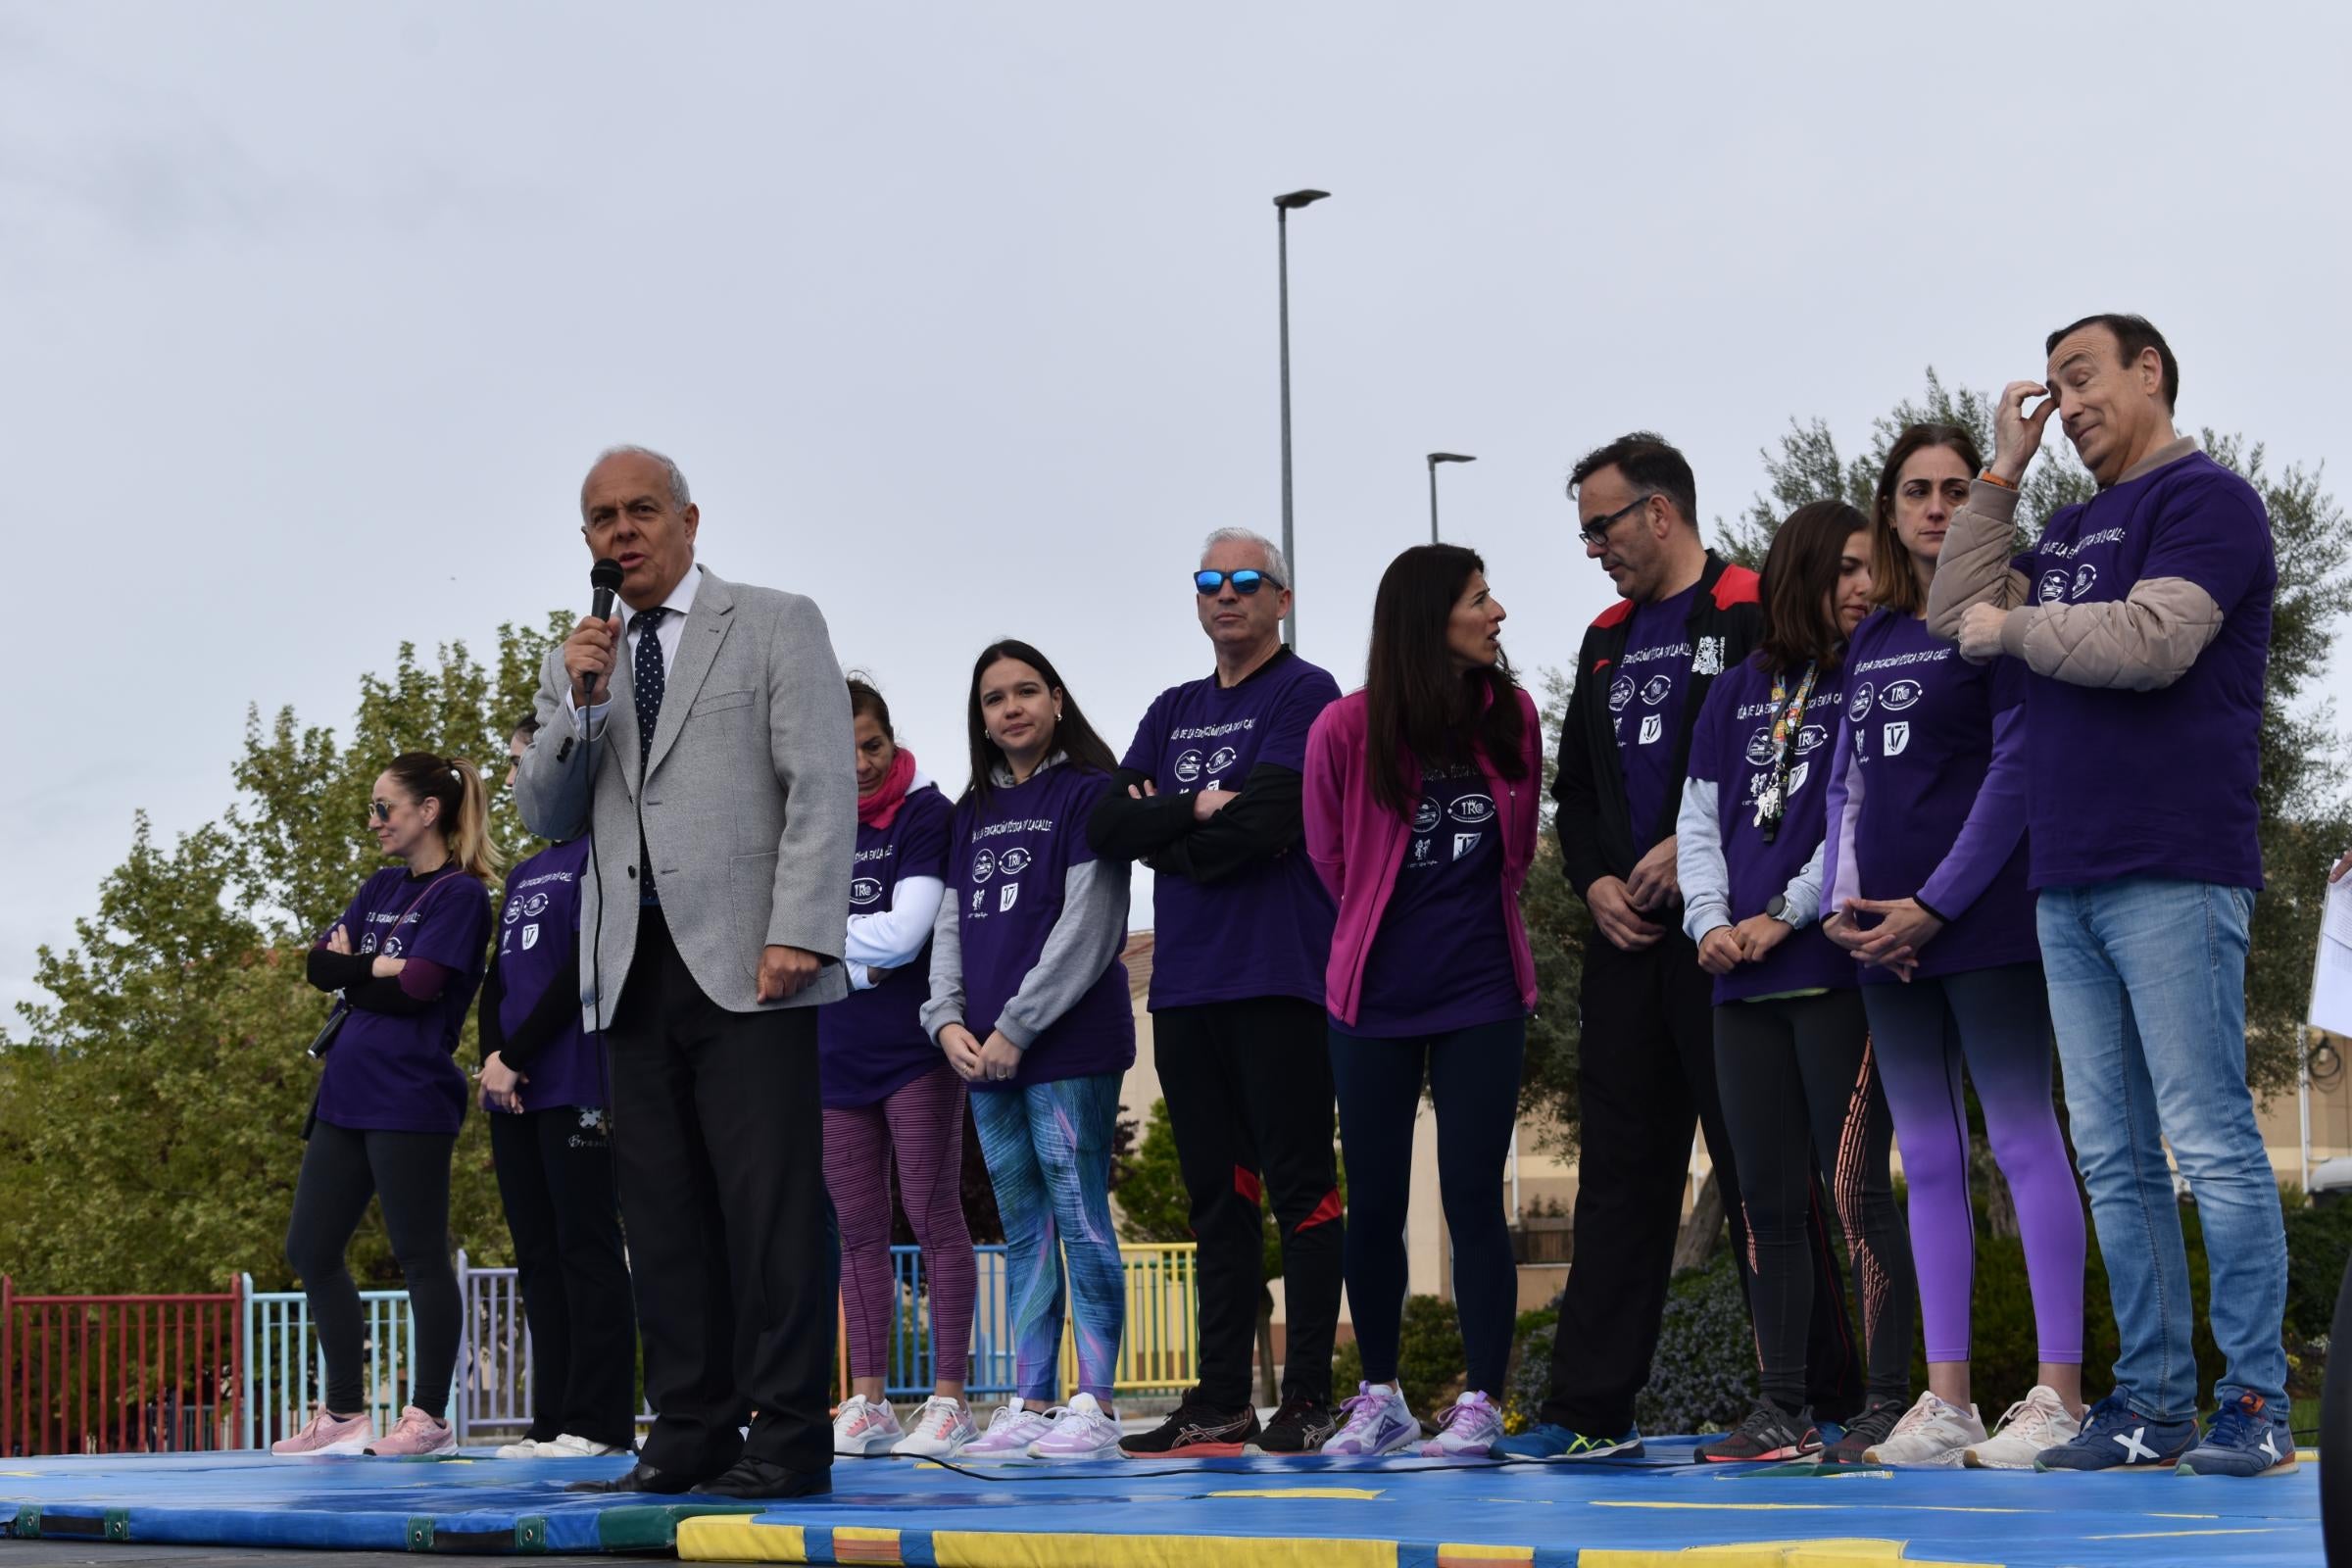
1578	818
555	1010
1266	818
492	1039
335	971
1124	828
384	995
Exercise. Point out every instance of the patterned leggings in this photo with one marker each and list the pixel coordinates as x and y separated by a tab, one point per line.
1048	1147
921	1126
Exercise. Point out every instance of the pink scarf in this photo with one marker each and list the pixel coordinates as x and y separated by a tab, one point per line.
879	808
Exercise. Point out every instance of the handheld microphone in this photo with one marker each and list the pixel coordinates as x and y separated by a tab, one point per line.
604	578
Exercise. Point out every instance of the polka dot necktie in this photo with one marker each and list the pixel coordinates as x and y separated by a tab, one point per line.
649	681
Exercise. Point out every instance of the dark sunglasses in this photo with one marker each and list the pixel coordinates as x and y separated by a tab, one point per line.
1246	581
380	810
1596	533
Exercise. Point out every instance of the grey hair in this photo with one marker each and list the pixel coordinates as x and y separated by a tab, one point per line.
679	496
1278	567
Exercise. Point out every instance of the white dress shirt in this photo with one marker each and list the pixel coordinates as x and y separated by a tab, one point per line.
667	636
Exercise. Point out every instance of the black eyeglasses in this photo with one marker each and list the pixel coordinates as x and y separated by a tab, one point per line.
1246	581
381	810
1596	533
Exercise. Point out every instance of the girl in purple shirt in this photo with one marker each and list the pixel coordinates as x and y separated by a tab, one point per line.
1926	887
1029	1003
405	957
1791	1050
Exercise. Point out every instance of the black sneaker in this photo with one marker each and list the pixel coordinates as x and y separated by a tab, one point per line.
1302	1425
1768	1433
1864	1433
1196	1431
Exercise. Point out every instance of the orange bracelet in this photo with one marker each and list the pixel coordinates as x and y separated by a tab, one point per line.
1990	477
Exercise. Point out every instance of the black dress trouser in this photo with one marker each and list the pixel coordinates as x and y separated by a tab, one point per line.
554	1180
1247	1084
1645	1073
719	1146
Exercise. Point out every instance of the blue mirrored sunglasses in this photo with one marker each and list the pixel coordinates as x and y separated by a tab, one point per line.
1244	581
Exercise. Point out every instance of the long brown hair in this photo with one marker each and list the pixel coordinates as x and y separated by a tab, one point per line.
1414	699
1893	579
464	820
1073	736
1799	573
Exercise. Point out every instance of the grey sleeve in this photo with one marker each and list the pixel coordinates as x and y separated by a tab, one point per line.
2142	642
1801	900
550	782
1086	937
946	1005
1699	861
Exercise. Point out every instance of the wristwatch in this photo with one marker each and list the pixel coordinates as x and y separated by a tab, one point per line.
1776	906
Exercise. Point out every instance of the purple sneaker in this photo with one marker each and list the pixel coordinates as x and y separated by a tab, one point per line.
1470	1428
1082	1430
1009	1433
1377	1421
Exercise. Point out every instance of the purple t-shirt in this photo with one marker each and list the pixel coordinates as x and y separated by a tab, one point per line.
1645	708
1918	719
400	1074
1265	931
1007	864
538	936
1732	749
1442	958
2156	783
870	1044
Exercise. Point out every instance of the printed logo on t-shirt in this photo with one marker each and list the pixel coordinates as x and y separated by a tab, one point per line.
391	946
1859	708
535	906
1188	768
514	911
1708	659
979	897
1653	725
530	937
1222	758
1759	746
1425	815
1894	736
1007	896
1656	690
1464	843
1420	855
1797	776
1621	693
1014	861
984	865
1474	809
2053	586
1900	694
1811	738
2084	577
866	890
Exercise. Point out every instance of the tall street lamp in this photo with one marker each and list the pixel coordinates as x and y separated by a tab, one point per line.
1435	458
1283	205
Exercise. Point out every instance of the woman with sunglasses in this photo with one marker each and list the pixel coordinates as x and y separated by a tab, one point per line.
1420	800
893	1103
1029	1003
1927	877
1792	1050
543	1082
407	956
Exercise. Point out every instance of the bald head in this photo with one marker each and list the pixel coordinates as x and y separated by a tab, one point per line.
635	508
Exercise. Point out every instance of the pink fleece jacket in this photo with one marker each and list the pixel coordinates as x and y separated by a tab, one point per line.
1357	847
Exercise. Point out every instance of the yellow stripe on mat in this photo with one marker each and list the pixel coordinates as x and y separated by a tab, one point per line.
735	1538
1830	1553
1452	1554
975	1549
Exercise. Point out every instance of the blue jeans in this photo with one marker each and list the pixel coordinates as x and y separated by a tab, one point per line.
2147	982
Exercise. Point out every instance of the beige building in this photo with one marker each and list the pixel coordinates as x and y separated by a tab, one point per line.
1541	1183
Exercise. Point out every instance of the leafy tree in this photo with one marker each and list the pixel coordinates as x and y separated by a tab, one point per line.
151	1116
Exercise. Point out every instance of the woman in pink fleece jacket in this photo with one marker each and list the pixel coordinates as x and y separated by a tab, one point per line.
1421	793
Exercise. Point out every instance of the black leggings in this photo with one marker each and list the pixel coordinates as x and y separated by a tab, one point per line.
554	1179
410	1171
1473	1077
1799	1088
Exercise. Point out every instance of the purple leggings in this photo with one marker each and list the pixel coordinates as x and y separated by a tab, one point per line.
1997	1022
922	1125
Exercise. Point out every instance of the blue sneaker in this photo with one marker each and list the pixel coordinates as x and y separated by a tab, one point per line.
2115	1437
2244	1440
1551	1445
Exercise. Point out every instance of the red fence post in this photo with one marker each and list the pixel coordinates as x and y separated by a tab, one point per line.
8	1364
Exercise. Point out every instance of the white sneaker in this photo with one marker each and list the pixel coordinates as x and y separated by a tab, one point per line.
1377	1421
1080	1432
1009	1433
1471	1425
863	1426
520	1448
571	1446
940	1431
2034	1423
1931	1435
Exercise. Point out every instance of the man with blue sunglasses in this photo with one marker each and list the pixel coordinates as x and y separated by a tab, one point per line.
1208	797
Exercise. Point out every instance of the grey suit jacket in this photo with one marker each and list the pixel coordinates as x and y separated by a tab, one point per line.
748	801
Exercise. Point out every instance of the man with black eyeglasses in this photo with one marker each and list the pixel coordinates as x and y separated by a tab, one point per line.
1645	1064
1208	797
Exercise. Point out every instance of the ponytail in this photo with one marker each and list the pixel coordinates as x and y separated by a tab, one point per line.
464	819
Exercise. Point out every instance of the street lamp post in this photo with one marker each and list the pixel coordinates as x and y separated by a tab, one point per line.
1283	205
1435	458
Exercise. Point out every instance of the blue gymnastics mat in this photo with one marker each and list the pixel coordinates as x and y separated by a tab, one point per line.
1280	1513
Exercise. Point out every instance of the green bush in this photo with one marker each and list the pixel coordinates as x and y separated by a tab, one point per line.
1704	1378
2317	1243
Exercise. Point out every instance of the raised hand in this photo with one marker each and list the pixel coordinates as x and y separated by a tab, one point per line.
2016	434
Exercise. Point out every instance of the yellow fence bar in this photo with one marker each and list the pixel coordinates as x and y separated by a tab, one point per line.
1159	1348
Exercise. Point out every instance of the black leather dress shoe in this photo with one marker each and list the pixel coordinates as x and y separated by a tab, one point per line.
760	1477
642	1477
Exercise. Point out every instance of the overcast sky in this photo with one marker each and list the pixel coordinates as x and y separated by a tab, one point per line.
960	318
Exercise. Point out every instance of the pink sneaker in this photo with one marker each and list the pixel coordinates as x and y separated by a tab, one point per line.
325	1433
416	1435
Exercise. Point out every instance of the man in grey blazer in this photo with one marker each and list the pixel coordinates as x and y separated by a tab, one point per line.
712	763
